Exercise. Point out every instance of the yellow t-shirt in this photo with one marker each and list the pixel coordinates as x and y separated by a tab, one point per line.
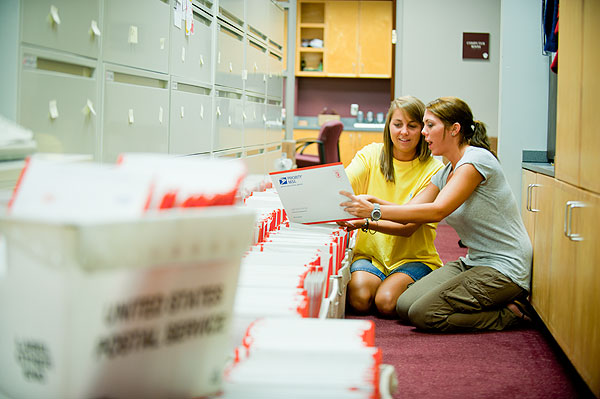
387	252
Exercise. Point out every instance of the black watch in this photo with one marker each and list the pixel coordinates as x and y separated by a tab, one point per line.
376	212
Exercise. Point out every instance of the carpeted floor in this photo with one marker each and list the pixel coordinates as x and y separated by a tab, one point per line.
523	363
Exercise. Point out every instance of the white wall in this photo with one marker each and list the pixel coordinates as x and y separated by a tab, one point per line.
523	116
9	41
429	60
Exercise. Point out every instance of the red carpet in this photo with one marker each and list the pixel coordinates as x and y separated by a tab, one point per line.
524	363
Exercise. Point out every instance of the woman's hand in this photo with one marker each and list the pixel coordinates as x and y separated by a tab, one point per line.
350	225
358	205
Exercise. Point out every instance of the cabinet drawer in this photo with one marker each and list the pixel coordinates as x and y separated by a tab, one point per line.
272	154
229	123
254	121
255	160
190	119
71	26
256	66
191	56
136	112
230	47
137	34
232	9
58	101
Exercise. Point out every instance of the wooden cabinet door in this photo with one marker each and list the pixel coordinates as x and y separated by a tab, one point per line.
341	38
541	205
586	309
568	118
375	39
590	87
562	277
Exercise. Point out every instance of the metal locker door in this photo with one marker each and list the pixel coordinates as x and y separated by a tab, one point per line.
232	9
230	57
137	34
254	122
191	55
71	26
272	153
275	75
255	160
274	125
58	101
256	66
136	112
229	121
191	119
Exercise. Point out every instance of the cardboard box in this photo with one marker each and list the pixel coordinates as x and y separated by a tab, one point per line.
138	308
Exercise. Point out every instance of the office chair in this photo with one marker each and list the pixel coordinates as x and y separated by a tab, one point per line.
328	146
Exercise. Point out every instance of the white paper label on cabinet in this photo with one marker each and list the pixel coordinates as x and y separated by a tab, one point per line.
30	61
183	54
110	76
160	114
133	35
177	14
244	72
89	107
182	111
189	17
54	17
53	109
131	120
94	30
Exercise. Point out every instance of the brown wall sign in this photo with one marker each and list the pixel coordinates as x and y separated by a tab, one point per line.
476	46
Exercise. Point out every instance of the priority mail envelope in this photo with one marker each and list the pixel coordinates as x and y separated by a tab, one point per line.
311	195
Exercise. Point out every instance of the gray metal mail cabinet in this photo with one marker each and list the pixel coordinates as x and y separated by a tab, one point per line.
230	56
137	34
254	120
275	30
57	100
191	118
274	123
136	112
229	120
71	26
256	65
191	54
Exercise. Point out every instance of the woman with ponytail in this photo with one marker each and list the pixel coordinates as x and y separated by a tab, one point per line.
484	290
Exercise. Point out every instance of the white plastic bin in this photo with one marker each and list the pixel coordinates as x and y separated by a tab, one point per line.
139	308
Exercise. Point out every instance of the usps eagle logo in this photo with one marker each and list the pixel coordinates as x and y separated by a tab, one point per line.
283	181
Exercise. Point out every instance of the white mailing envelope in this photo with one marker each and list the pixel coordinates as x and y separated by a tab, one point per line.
312	195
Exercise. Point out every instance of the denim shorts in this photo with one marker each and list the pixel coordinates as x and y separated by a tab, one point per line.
414	270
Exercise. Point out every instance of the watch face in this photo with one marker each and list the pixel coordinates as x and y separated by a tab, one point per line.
376	213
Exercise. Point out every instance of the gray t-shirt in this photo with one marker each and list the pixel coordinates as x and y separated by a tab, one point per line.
489	222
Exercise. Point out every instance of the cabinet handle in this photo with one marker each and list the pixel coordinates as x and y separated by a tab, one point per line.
530	196
567	228
54	17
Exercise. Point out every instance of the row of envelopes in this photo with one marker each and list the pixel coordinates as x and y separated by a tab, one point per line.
289	337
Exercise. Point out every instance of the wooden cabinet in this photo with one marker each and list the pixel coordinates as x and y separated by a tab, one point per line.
577	161
563	222
350	142
356	38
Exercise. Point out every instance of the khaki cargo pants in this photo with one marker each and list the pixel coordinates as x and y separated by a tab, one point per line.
457	297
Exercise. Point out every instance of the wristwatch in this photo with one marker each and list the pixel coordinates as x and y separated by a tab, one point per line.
376	212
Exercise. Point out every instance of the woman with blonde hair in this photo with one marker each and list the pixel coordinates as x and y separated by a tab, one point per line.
389	256
485	289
